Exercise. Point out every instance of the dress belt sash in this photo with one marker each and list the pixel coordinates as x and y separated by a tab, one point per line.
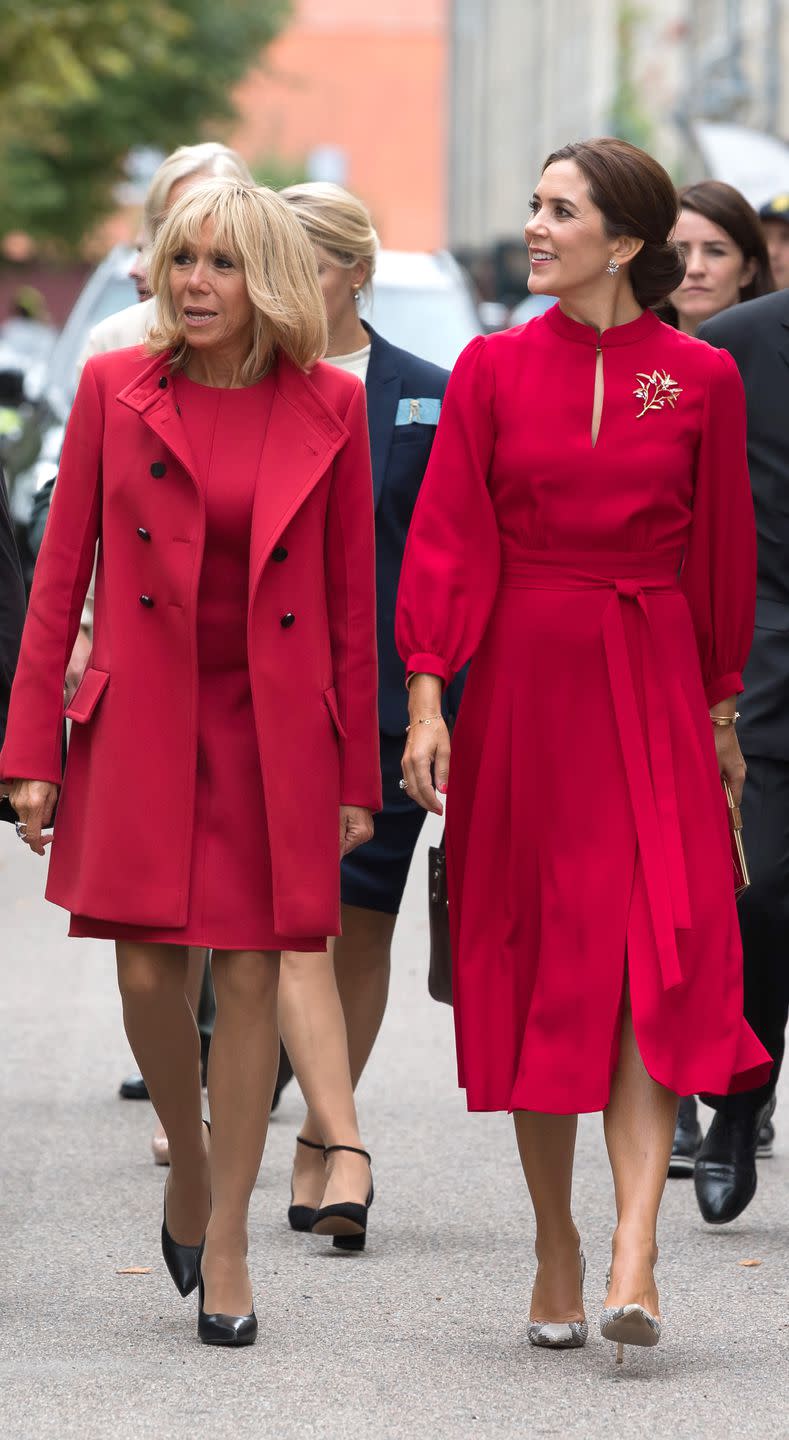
649	765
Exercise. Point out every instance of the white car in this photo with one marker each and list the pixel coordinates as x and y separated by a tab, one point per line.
422	302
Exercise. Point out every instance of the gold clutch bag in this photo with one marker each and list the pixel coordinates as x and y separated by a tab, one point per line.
739	863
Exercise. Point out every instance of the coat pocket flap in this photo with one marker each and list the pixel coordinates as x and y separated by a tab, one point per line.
330	700
87	695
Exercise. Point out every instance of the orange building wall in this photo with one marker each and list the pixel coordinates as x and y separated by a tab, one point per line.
372	79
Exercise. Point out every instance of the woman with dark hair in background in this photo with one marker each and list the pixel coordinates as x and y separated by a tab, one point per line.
726	262
725	251
581	463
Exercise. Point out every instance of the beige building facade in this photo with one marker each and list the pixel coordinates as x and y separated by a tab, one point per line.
527	77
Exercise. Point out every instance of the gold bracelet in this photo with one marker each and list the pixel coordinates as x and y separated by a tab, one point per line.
725	719
424	720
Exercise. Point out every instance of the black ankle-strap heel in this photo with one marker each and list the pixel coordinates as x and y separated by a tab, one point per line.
300	1217
347	1222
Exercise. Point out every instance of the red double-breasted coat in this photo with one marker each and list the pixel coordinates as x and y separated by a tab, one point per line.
606	592
123	834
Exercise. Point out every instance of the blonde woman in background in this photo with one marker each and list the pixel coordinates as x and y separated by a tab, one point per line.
182	169
404	395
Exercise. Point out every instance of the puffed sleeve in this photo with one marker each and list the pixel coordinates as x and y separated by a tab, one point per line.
719	573
451	565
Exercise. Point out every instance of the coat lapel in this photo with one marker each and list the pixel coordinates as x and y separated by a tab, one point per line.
303	436
156	405
383	394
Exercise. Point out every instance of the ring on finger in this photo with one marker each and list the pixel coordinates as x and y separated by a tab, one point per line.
21	829
403	784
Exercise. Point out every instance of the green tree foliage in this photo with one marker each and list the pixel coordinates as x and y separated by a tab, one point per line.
83	81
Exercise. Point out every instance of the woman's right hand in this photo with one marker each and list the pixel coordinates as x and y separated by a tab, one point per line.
34	802
425	762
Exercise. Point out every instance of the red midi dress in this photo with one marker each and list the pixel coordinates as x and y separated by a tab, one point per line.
230	887
606	593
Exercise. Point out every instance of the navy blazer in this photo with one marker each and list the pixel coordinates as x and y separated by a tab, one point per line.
757	335
400	452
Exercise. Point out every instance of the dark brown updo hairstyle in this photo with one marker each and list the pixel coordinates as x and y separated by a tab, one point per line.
729	209
635	196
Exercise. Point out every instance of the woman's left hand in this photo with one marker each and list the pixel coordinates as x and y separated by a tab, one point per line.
356	828
730	760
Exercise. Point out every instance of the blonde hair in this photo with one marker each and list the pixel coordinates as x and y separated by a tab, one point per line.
338	222
207	159
254	226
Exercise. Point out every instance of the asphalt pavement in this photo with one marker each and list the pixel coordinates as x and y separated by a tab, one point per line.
421	1338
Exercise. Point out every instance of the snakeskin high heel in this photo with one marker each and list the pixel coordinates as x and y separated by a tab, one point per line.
560	1334
628	1325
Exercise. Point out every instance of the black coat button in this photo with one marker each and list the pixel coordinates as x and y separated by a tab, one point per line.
279	554
287	621
158	469
163	383
147	601
143	533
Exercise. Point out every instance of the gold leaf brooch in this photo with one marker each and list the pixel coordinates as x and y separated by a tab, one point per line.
656	390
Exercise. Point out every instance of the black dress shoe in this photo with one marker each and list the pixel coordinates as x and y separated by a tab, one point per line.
134	1088
221	1329
687	1140
725	1174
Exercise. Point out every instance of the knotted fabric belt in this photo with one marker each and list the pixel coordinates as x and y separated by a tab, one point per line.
649	766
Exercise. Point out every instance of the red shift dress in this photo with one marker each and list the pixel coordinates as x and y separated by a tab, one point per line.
230	889
606	592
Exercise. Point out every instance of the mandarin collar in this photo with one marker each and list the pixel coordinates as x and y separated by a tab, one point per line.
640	329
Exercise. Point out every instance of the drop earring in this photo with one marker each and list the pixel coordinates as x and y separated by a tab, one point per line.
613	266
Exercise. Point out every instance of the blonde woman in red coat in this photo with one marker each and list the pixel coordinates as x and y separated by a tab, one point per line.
585	531
224	739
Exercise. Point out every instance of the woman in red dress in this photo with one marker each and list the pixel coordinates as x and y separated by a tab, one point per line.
226	477
586	532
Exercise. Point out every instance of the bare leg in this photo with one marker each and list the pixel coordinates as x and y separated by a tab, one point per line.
312	1025
195	967
361	964
242	1068
547	1146
639	1130
163	1036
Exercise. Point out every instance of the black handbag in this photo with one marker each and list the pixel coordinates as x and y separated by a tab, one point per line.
439	975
